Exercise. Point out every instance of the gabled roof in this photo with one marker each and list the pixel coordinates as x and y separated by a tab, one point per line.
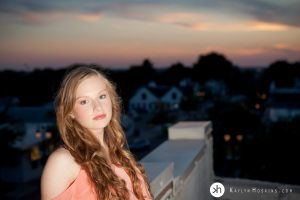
158	91
32	114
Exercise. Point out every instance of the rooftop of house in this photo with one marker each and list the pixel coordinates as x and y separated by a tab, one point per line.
158	91
32	114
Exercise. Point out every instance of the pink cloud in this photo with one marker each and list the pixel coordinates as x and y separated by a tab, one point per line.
205	22
89	17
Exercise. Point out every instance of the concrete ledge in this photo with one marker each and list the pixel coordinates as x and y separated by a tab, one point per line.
160	175
181	167
190	130
183	154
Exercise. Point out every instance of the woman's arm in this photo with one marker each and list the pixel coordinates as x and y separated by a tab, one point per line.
59	173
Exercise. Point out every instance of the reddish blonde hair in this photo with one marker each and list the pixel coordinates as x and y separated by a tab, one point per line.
85	148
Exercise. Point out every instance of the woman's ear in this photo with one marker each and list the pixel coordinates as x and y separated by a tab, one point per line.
72	115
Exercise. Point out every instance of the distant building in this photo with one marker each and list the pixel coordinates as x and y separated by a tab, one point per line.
37	127
284	102
153	98
189	87
216	88
6	102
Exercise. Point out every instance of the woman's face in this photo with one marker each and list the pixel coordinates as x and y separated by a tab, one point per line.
93	107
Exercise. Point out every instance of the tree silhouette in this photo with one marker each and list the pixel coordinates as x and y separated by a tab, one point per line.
281	72
213	66
174	74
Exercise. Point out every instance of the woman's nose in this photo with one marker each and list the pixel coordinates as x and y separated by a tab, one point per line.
97	105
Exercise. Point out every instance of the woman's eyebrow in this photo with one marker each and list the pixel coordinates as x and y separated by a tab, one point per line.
80	97
102	90
105	89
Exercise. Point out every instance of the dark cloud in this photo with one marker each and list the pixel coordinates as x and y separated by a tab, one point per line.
20	6
21	11
17	6
284	12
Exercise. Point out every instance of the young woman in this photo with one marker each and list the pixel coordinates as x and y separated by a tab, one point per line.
94	162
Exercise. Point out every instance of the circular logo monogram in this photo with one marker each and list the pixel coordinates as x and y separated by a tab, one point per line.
217	189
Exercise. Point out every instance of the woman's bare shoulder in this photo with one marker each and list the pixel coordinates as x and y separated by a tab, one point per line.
59	172
62	153
61	158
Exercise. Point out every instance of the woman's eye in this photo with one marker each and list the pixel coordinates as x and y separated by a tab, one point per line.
103	96
83	102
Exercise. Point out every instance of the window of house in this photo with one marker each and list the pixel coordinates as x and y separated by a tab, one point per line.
144	96
35	156
174	95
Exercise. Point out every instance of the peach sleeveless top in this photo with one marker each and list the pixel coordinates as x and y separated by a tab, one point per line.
81	189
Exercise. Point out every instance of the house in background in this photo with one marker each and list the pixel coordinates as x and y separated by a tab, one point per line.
153	98
37	127
284	102
189	85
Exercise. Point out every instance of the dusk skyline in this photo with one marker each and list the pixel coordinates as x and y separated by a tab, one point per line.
123	33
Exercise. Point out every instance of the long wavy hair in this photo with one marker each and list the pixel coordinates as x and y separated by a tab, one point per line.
86	149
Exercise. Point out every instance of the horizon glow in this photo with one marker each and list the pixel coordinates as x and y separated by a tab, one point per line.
119	34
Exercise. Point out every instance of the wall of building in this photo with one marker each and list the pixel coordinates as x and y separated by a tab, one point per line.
187	157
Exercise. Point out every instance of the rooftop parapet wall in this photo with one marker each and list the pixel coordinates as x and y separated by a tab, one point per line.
192	130
181	167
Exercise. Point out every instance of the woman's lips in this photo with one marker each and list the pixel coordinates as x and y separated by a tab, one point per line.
98	117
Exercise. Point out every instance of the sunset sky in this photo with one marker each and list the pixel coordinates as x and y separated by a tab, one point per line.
121	33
